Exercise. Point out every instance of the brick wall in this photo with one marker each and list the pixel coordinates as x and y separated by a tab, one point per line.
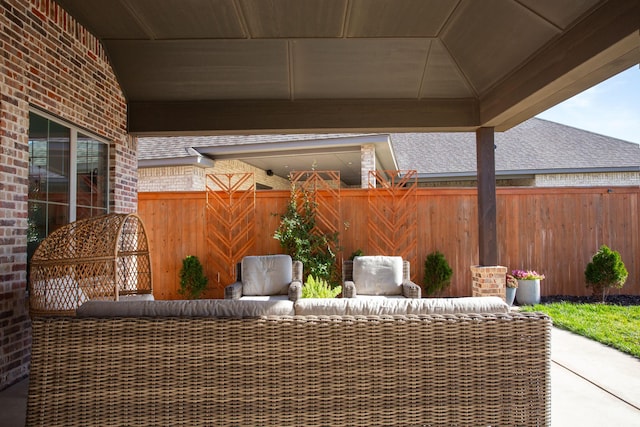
51	63
367	163
488	281
612	179
522	182
192	178
171	178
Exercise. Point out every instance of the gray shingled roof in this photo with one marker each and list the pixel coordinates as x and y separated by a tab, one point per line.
535	145
175	147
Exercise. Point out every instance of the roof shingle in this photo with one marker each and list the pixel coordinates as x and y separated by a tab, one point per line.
534	145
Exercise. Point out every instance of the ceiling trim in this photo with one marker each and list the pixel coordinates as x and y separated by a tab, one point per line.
153	118
261	152
384	151
347	143
199	161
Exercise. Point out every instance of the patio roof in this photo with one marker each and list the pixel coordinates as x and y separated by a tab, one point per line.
280	154
322	66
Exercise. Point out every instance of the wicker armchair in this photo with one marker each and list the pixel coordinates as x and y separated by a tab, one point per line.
99	258
378	276
266	277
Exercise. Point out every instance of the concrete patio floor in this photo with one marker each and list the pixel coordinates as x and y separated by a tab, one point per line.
591	385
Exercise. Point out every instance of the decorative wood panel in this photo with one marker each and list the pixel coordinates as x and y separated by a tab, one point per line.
231	203
393	206
323	189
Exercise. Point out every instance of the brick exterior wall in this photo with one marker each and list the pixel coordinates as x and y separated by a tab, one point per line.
192	178
523	182
613	179
367	163
49	62
490	281
171	178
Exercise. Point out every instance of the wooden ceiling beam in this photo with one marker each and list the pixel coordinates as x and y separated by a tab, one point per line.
154	118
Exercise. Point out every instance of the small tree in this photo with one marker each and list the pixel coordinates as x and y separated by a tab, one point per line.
437	273
606	270
192	280
299	237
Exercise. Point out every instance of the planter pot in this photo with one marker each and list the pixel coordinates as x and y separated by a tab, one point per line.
511	294
528	292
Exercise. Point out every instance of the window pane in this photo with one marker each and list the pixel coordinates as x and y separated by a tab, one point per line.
57	216
92	188
48	202
37	225
58	167
38	132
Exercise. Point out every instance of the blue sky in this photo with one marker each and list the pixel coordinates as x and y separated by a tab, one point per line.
611	108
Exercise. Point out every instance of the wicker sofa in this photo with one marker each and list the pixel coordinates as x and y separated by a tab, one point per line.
236	363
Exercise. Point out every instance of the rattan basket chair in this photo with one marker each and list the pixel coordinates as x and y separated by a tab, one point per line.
100	258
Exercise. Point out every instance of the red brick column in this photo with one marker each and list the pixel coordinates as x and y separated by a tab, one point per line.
488	281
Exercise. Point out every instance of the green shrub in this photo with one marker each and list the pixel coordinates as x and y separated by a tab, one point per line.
192	280
299	237
606	270
319	288
437	273
356	253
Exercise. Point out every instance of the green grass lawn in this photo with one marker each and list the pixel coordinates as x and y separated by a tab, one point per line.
613	325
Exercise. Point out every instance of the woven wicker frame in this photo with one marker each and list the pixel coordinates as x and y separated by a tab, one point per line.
452	370
100	258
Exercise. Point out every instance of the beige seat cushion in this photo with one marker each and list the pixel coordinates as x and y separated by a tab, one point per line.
378	275
184	308
265	298
398	306
136	297
266	274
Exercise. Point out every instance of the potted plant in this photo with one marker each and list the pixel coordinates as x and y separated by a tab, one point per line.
528	291
437	273
606	270
192	280
512	286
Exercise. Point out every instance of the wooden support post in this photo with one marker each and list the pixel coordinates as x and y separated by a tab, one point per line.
487	234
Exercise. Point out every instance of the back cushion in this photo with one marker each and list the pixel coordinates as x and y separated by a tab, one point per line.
378	275
266	274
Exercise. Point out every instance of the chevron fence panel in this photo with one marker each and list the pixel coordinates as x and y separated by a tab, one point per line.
231	205
323	188
393	216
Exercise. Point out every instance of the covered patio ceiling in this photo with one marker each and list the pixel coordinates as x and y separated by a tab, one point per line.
279	66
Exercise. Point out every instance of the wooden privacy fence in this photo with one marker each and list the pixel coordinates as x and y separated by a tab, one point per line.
552	230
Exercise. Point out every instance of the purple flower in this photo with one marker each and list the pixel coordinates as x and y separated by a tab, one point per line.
527	275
